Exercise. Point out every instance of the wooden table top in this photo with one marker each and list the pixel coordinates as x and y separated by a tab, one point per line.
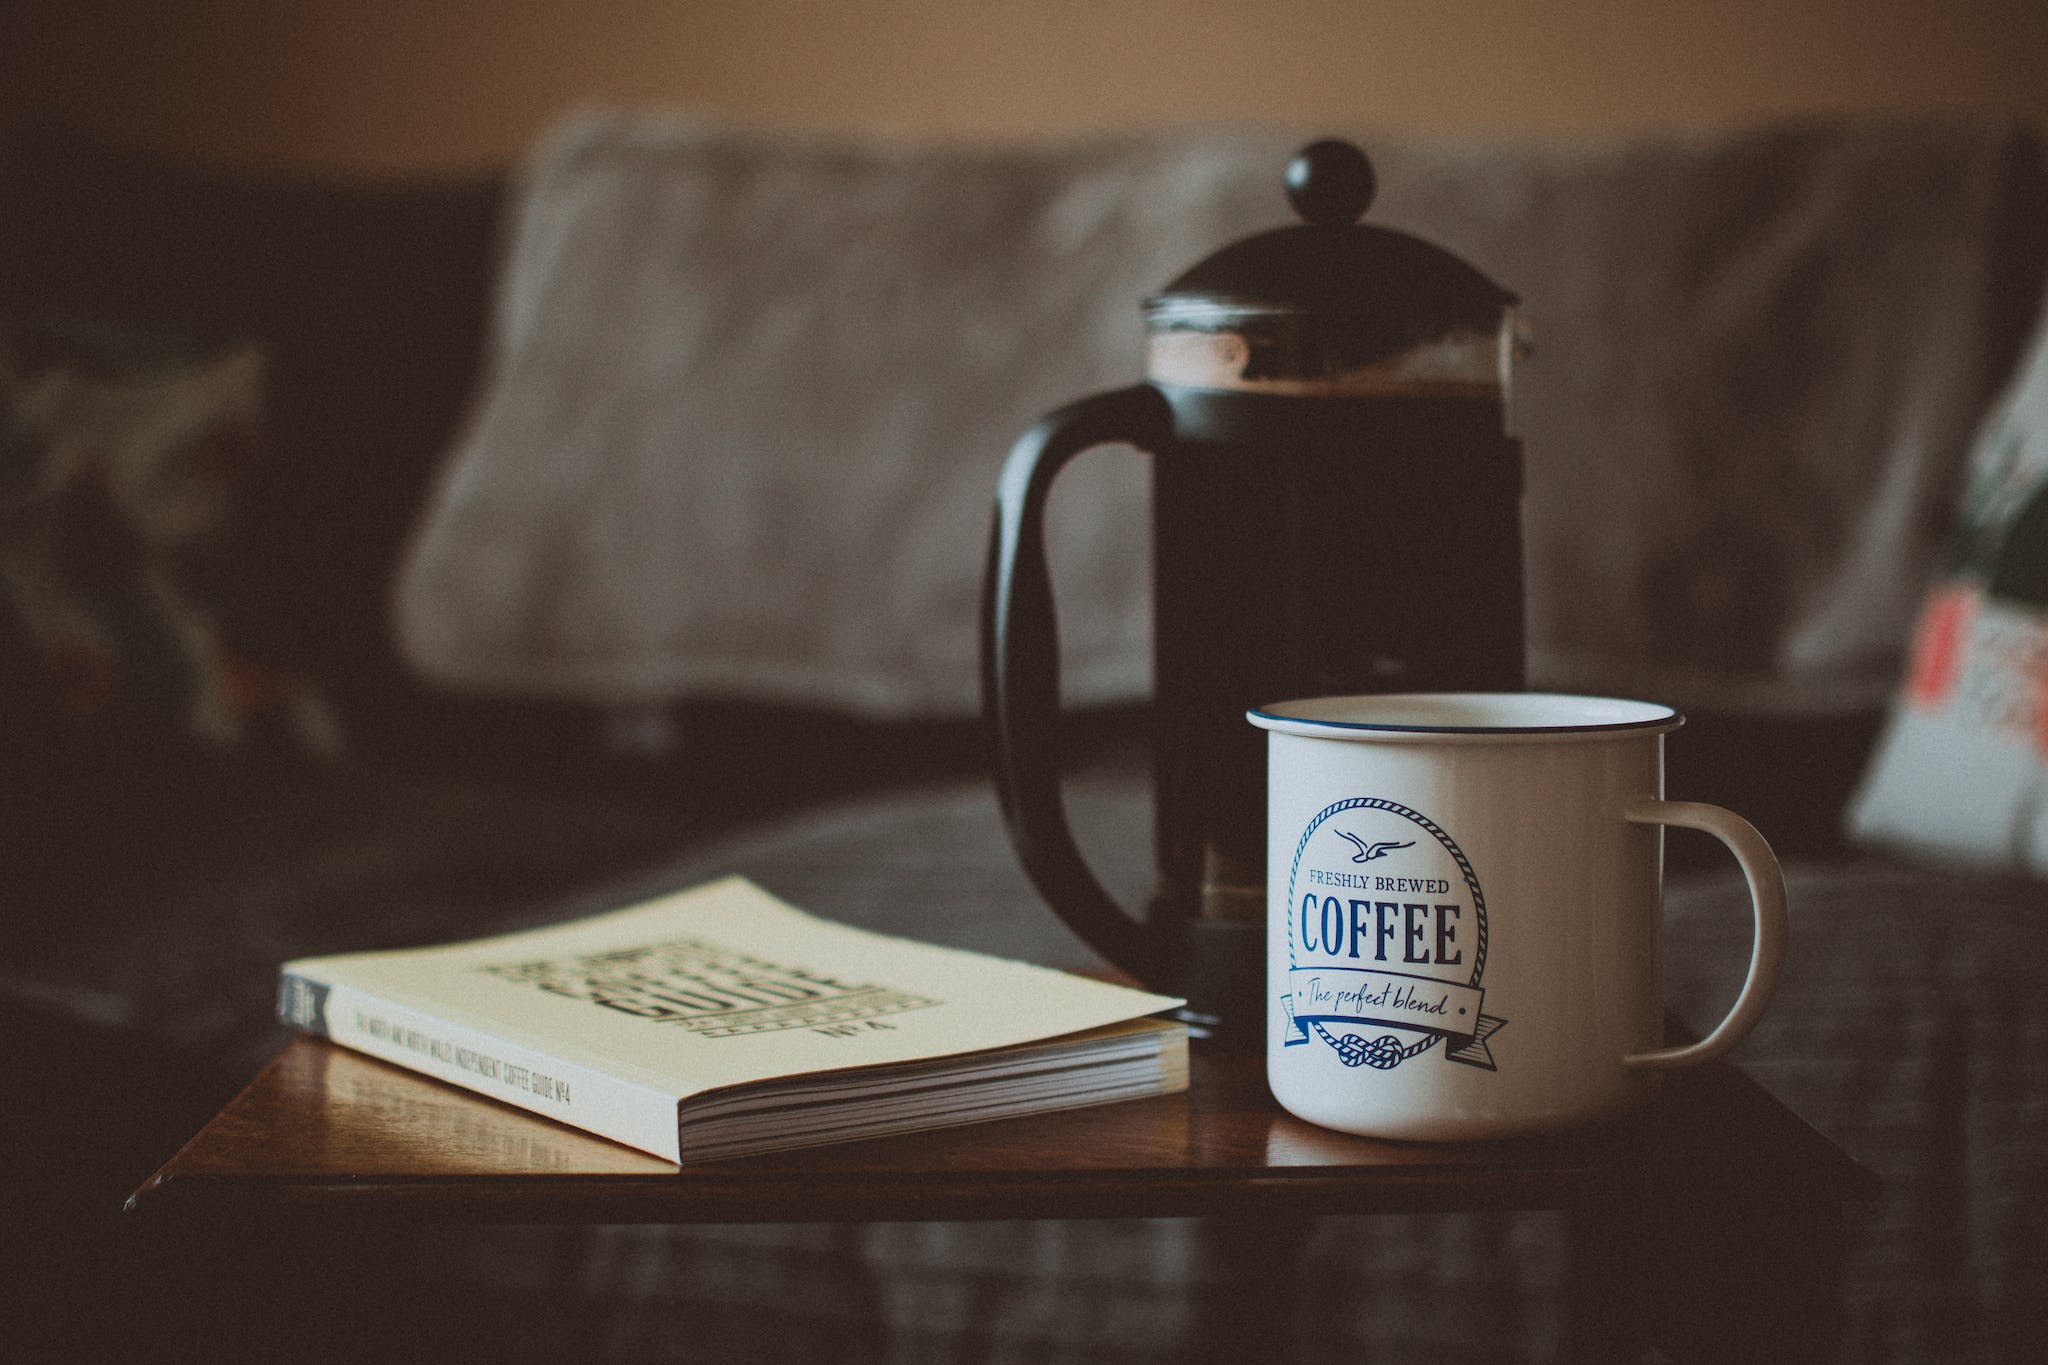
325	1131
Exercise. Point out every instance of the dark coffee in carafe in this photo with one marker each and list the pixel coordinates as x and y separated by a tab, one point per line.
1336	509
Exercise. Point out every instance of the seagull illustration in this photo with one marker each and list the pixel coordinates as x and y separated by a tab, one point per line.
1367	852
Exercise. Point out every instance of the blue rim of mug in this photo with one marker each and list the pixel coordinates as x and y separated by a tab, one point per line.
1455	713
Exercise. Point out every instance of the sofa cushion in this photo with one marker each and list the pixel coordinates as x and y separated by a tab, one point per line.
750	395
747	397
1962	769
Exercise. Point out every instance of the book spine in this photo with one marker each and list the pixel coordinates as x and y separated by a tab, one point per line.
531	1079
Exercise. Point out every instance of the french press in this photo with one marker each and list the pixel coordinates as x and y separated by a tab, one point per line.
1336	508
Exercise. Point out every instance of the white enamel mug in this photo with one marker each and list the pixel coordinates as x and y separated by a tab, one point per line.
1464	895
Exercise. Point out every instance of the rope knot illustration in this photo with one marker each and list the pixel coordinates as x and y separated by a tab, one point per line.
1381	1054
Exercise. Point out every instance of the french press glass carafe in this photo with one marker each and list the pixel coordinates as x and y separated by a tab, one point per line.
1336	504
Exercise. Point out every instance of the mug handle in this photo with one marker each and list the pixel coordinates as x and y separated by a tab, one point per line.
1020	671
1767	951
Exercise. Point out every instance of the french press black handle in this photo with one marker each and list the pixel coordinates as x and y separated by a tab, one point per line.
1020	668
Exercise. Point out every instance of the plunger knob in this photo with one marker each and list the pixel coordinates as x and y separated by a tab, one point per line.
1330	183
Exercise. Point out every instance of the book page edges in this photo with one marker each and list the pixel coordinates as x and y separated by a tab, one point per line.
1170	1077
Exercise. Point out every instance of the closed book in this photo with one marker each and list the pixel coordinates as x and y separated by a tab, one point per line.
719	1022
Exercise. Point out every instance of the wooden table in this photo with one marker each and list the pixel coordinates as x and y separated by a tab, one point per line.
1711	1226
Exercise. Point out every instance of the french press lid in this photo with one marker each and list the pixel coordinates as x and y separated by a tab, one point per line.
1332	306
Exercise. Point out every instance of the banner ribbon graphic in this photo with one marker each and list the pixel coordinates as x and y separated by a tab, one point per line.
1357	996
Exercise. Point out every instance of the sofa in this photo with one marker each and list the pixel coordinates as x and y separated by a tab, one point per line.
392	562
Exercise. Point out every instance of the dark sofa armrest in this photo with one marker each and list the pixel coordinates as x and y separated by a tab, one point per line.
369	301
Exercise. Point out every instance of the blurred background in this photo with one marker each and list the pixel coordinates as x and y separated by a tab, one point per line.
446	85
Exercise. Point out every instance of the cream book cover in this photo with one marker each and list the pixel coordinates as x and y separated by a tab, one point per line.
720	1021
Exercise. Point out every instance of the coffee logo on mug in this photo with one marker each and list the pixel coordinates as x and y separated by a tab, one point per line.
1384	963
